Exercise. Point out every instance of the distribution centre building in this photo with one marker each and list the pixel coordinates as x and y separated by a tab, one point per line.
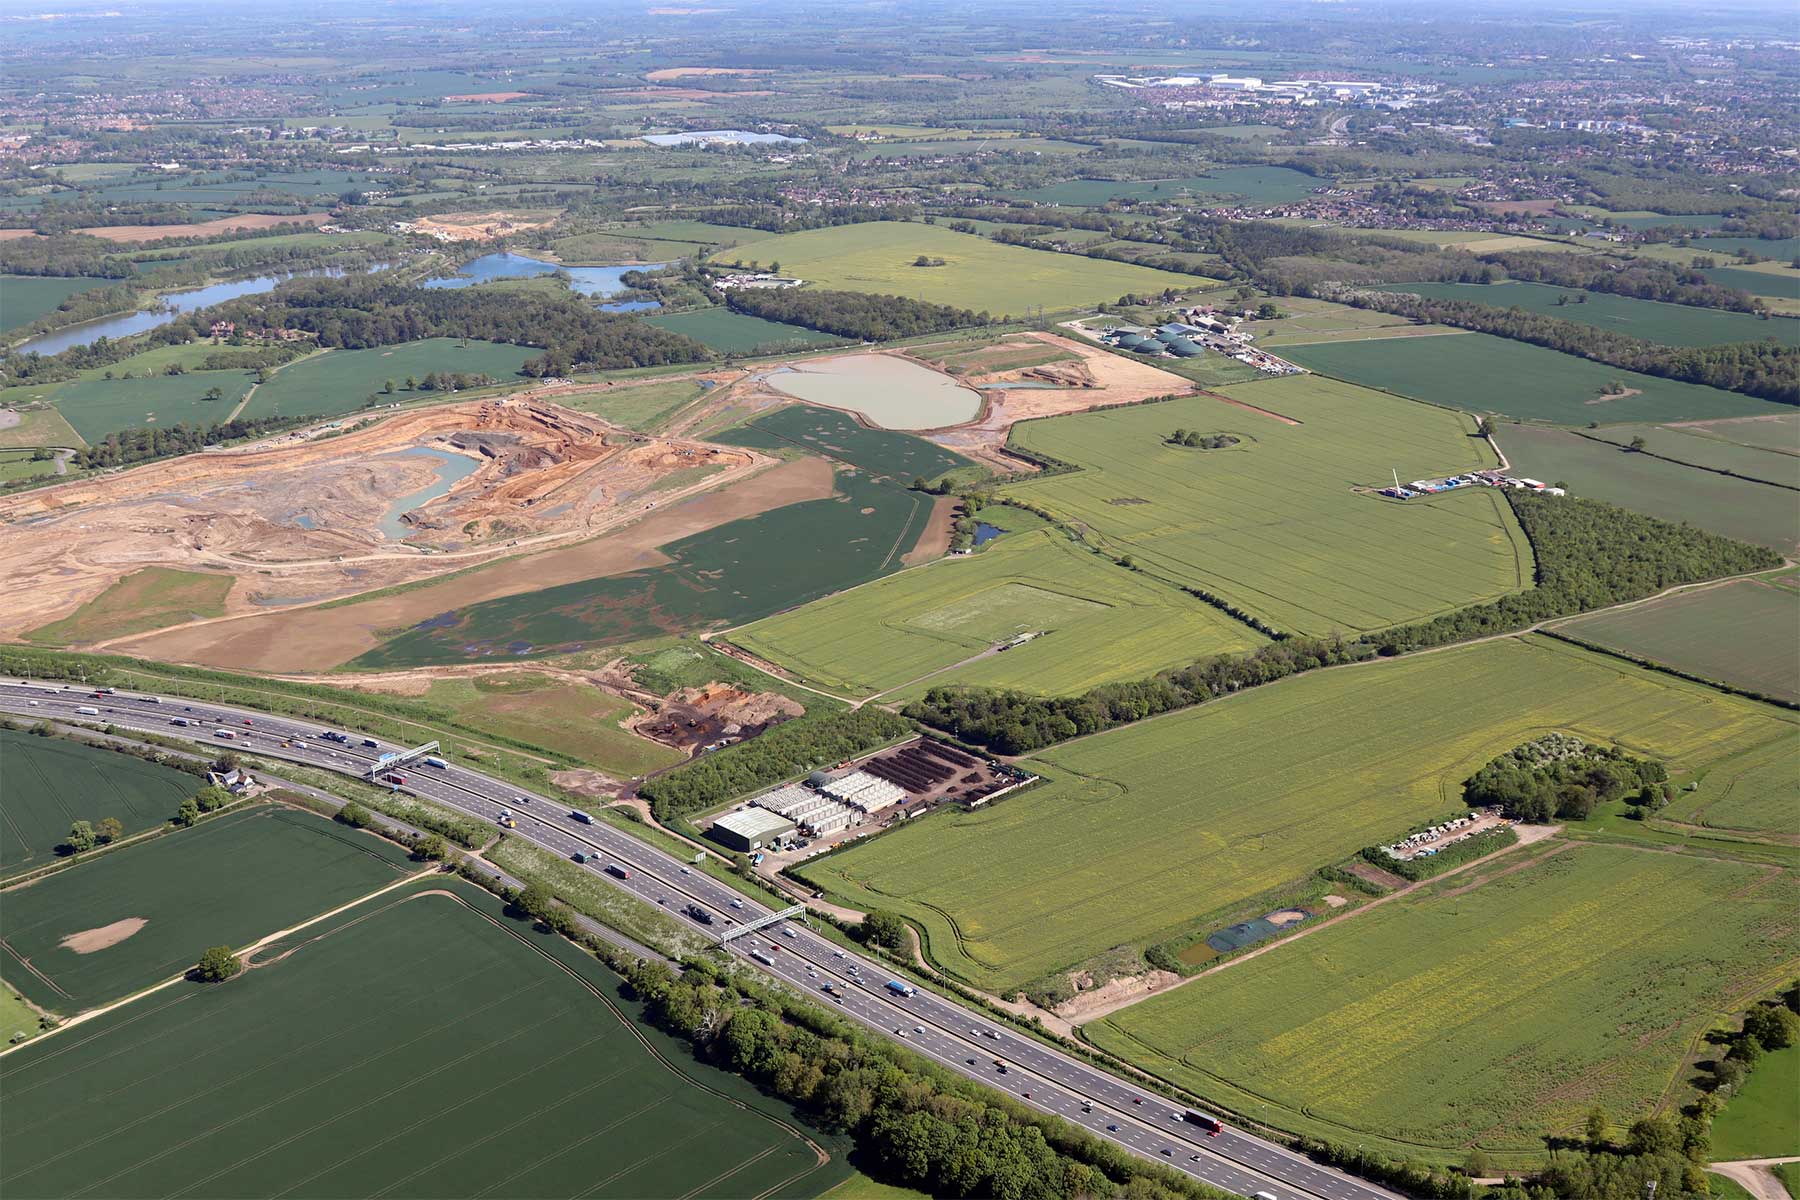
751	829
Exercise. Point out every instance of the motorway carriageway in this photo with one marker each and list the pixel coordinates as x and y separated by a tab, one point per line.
955	1037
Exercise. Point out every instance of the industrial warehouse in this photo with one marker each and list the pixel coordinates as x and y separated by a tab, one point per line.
897	783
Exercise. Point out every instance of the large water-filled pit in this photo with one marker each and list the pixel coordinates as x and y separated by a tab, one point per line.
891	392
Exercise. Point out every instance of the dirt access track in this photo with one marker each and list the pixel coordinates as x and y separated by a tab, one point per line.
300	521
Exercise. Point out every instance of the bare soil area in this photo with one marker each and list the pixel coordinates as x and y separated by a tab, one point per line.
481	227
488	97
90	940
1098	378
1114	995
717	714
940	527
152	233
309	639
299	521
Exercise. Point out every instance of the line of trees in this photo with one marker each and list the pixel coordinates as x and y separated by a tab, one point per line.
852	314
1768	369
130	446
1017	723
914	1123
814	740
1643	279
1589	555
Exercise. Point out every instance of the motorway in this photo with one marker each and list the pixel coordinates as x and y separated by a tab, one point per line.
954	1036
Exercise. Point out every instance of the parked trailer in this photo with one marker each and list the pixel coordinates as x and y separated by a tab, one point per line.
1210	1124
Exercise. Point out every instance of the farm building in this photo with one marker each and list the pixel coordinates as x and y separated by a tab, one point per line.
751	829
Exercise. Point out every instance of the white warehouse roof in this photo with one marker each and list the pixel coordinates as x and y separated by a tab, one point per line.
755	824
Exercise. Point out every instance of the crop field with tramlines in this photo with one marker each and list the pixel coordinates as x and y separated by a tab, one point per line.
144	913
1483	1011
51	783
1095	622
429	1047
1273	524
1156	830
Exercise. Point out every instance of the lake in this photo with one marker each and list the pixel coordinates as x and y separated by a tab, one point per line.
181	302
892	392
586	281
451	468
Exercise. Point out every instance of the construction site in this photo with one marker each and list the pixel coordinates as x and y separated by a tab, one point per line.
348	508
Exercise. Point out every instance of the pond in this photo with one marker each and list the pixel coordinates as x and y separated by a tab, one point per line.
172	304
586	281
985	533
450	469
891	392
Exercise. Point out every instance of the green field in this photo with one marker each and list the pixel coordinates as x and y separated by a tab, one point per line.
1740	508
1174	826
892	455
228	880
1781	285
432	1048
1752	791
50	783
978	274
97	407
1652	320
1711	446
1257	185
148	598
1099	623
338	382
26	298
1271	524
1738	633
639	406
579	720
1777	431
1479	1016
1762	1120
1480	373
39	427
736	572
740	333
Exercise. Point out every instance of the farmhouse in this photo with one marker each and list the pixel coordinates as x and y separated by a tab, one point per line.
751	829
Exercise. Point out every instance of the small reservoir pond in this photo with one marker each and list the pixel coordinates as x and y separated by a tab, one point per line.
450	469
891	392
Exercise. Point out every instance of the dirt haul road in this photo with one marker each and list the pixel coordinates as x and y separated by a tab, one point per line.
318	638
301	521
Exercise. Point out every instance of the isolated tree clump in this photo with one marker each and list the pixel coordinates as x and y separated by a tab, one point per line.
217	965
